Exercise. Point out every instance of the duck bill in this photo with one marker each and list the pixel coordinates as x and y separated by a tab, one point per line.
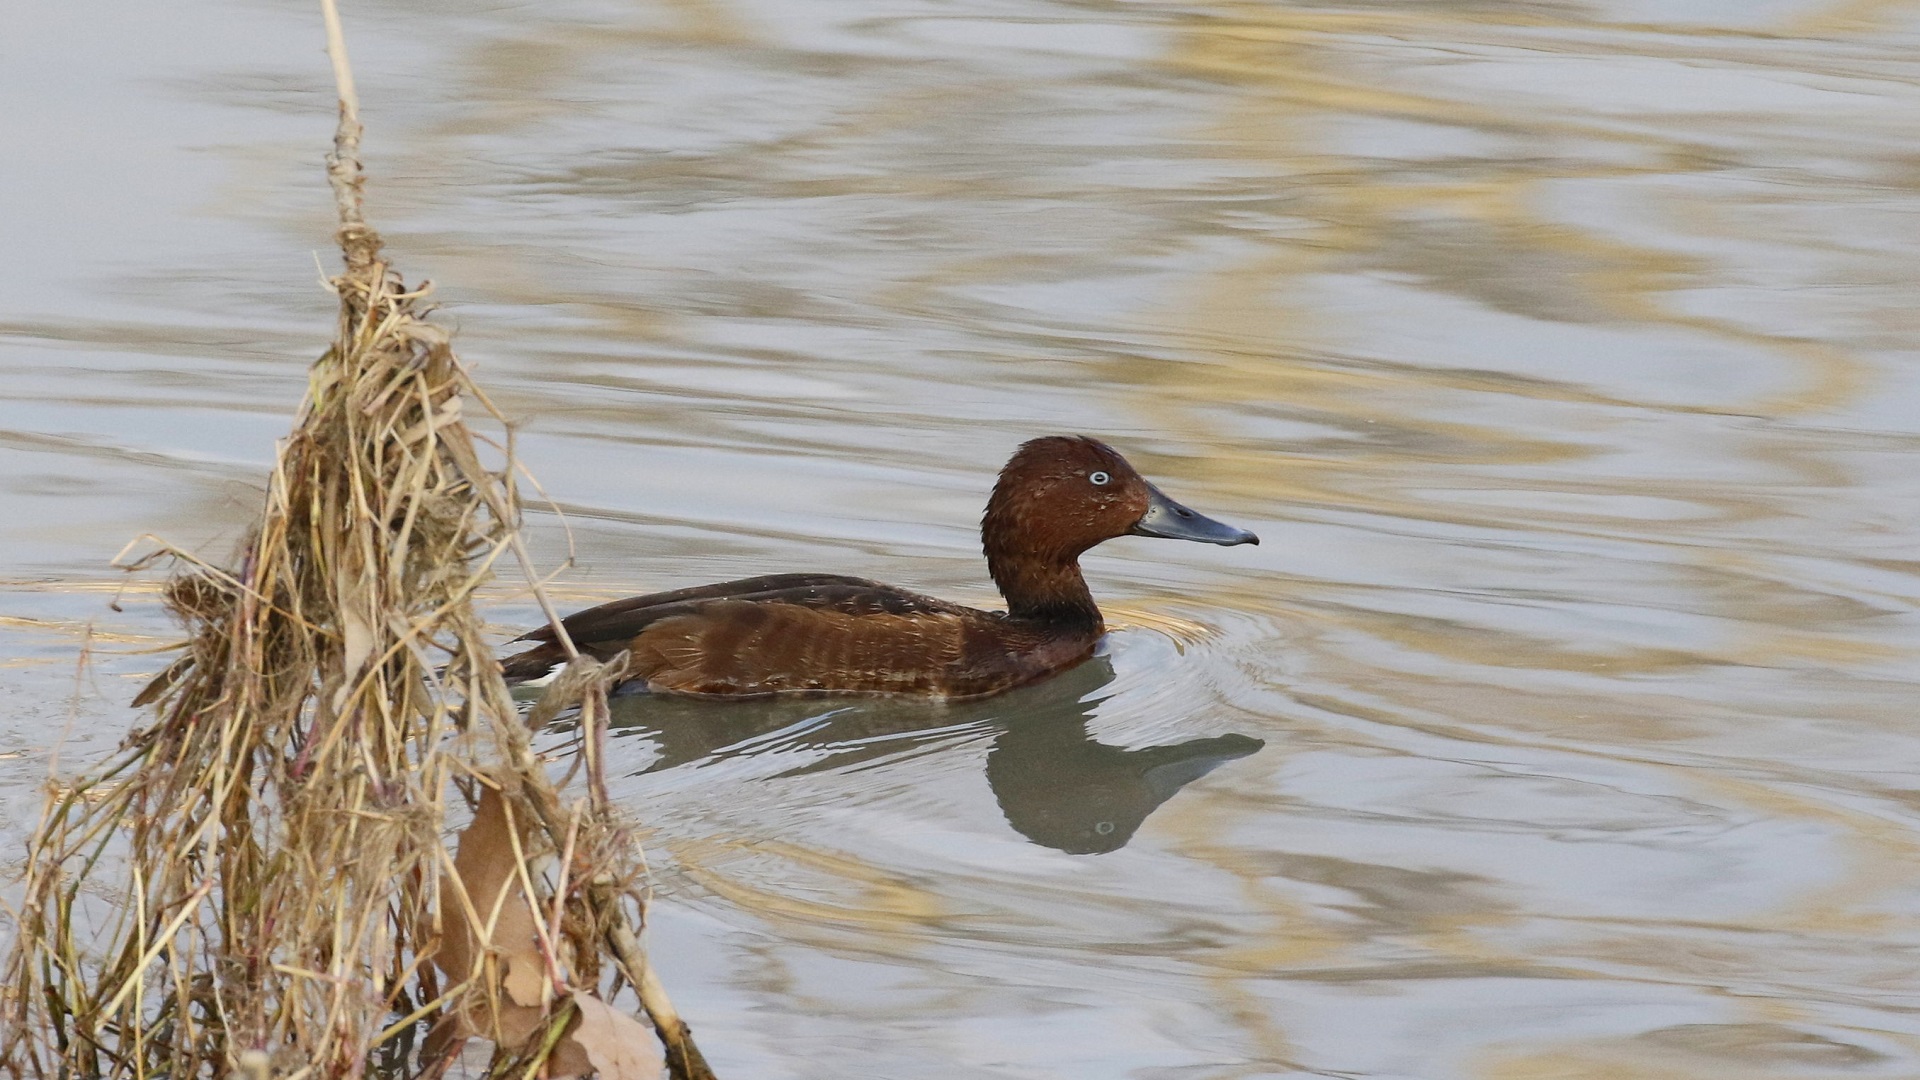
1171	521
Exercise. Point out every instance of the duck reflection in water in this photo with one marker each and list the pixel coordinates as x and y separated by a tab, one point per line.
1056	783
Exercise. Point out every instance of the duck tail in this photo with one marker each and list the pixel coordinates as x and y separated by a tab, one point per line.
533	665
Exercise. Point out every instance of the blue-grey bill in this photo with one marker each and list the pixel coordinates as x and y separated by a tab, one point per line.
1169	520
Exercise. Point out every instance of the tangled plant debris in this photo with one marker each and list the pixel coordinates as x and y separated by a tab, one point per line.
264	879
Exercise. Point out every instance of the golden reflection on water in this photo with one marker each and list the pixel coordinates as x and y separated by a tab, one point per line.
1559	352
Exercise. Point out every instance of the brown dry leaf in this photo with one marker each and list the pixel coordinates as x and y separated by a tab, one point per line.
619	1046
526	980
485	863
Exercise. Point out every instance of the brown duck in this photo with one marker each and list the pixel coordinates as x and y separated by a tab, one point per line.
829	634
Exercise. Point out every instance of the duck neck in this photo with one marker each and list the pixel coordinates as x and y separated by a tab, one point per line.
1044	589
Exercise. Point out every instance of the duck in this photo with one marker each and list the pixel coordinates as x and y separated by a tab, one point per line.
827	634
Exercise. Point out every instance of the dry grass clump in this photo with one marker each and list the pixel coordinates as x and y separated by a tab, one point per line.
262	880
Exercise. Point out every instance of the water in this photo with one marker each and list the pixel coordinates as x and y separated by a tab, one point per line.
1560	352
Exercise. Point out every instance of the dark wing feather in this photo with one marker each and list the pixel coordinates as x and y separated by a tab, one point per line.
620	620
610	628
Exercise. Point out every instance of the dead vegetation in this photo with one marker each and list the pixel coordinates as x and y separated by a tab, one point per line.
265	879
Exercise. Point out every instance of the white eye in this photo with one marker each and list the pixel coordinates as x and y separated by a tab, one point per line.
1098	479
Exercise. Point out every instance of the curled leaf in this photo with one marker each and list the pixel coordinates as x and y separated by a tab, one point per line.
619	1046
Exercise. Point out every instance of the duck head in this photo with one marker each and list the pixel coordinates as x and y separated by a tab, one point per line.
1061	495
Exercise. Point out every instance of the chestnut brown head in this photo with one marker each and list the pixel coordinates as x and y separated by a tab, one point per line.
1062	494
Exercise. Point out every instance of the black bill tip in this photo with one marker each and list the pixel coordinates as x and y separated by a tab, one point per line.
1171	521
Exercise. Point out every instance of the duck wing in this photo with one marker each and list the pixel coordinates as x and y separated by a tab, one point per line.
616	622
784	621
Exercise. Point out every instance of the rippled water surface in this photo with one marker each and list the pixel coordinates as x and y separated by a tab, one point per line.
1561	353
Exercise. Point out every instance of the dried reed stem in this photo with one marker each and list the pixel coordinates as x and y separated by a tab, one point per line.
260	881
